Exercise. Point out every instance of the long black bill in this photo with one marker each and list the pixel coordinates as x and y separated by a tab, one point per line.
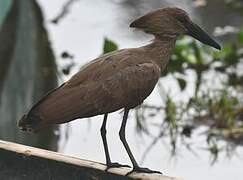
199	34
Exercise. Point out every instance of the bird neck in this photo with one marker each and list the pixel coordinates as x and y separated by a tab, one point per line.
160	50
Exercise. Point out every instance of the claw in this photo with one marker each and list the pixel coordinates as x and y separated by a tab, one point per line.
143	170
116	165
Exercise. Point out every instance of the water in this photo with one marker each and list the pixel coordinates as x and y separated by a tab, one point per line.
81	33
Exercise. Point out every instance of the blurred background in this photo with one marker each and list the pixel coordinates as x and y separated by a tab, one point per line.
191	126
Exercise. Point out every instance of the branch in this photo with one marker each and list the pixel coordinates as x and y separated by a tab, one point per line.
64	11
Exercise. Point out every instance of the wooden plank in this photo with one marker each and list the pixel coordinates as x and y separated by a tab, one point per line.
23	162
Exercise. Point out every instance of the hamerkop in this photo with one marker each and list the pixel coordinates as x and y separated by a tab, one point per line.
120	79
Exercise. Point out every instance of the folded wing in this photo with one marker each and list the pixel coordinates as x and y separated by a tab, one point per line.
103	86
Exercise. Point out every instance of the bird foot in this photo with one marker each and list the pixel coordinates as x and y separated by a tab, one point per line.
115	165
143	170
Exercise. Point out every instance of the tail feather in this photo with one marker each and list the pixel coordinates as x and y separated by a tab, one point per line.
29	123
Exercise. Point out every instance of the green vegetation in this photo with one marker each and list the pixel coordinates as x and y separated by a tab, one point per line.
235	4
109	46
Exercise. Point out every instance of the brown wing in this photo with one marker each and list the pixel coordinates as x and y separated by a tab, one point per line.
101	67
130	86
101	87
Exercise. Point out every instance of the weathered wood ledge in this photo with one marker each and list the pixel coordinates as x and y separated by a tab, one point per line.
23	162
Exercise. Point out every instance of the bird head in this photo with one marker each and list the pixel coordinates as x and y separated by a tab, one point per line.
172	22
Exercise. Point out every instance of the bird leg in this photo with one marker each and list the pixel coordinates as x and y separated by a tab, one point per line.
107	154
122	133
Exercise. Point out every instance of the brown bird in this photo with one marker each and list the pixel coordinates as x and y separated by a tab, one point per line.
120	79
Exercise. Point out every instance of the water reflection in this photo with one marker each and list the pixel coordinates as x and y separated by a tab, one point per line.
28	71
85	38
27	74
25	79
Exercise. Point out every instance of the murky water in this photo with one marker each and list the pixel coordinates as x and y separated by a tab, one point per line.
81	33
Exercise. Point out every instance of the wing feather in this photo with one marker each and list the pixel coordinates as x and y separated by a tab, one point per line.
103	86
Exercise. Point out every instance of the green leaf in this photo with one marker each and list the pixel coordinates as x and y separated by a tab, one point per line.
5	6
171	112
191	58
182	83
109	46
240	36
